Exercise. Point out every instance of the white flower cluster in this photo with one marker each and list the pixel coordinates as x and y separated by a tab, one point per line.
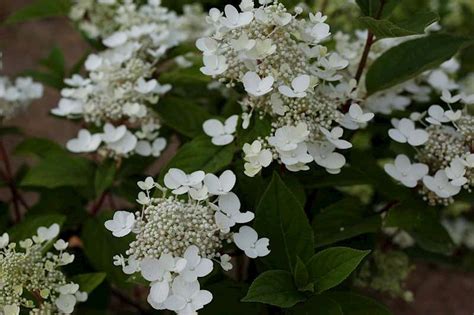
15	96
288	76
28	270
444	150
176	238
121	87
99	19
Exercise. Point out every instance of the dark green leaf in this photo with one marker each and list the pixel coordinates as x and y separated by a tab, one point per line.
100	247
54	69
293	184
386	28
250	187
226	300
184	76
182	115
355	304
419	21
331	266
49	79
411	58
377	8
60	170
259	127
76	68
54	62
281	218
39	147
104	176
301	276
27	228
201	154
342	220
71	204
39	9
317	305
319	178
423	223
364	169
89	281
274	287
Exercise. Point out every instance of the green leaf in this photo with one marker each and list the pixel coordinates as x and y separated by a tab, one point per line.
411	58
347	177
419	21
184	76
71	204
363	169
226	300
100	247
423	224
343	220
60	170
39	147
301	276
104	176
250	187
385	28
317	305
331	266
49	79
259	127
182	115
294	185
27	228
77	66
373	7
55	69
355	304
201	154
274	287
38	10
54	62
89	281
281	218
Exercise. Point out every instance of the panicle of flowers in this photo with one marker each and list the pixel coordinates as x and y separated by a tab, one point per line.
180	231
120	87
31	280
16	95
444	149
289	76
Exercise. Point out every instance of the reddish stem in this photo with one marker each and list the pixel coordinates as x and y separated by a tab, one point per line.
365	55
7	176
98	205
389	206
111	200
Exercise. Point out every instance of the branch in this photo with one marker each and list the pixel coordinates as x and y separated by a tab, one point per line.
389	206
7	176
365	55
97	205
